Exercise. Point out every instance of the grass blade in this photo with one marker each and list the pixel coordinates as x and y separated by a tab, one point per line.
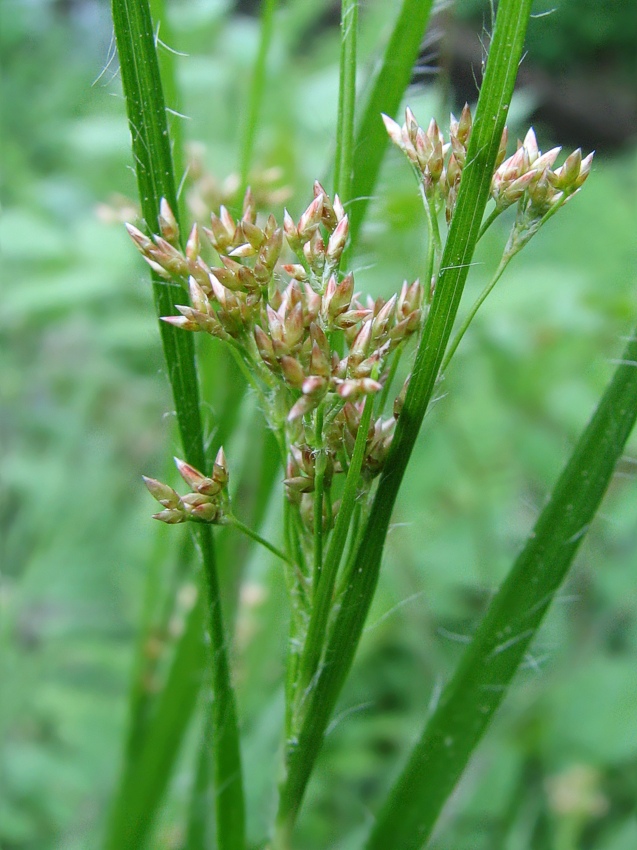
501	71
344	160
385	96
478	687
146	777
134	810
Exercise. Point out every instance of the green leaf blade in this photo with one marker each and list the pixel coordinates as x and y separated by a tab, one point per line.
142	787
486	670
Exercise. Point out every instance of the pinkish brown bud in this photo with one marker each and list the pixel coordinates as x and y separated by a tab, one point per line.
220	468
170	516
292	372
337	241
164	494
191	476
265	347
393	131
168	226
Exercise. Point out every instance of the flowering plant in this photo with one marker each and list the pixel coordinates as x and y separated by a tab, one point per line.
323	361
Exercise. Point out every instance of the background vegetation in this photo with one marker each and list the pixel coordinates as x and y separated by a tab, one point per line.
86	411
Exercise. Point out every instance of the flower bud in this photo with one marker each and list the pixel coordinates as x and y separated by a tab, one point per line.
168	226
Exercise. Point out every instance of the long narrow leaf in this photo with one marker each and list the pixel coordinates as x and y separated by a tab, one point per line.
147	775
505	53
344	159
151	150
385	96
481	681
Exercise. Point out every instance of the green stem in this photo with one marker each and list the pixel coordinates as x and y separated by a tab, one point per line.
230	519
322	601
343	166
146	109
319	481
489	221
453	345
257	89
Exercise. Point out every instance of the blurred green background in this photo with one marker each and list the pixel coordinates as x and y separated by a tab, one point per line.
86	411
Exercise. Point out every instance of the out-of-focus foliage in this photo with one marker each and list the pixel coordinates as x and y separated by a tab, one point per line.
575	33
86	410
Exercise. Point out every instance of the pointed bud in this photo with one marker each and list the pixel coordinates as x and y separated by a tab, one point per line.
292	372
168	226
170	516
337	241
393	131
142	242
220	469
265	347
193	245
164	494
191	476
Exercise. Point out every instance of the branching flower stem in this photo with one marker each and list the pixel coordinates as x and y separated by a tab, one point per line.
324	590
230	519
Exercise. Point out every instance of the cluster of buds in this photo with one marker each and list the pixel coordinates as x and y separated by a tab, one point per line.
294	342
525	178
289	321
206	503
437	163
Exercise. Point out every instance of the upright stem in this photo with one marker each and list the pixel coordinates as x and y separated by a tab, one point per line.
343	165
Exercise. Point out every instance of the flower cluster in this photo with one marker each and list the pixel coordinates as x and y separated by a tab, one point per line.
526	178
313	350
206	503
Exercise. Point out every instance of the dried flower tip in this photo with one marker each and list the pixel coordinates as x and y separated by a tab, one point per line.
338	208
142	242
249	207
193	245
191	476
228	222
220	468
530	146
394	131
168	226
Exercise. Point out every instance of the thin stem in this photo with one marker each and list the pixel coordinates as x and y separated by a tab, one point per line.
240	526
389	380
327	578
319	481
504	262
486	224
257	89
432	246
343	166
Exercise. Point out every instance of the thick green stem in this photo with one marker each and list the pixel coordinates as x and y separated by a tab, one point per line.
343	166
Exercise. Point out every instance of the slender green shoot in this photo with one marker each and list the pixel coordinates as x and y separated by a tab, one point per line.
344	163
